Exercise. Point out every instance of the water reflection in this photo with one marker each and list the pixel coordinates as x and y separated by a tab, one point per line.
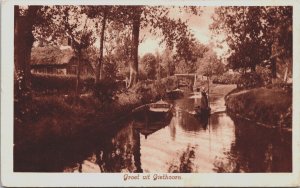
185	143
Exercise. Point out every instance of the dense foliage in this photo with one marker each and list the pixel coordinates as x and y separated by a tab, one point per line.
58	84
226	78
255	35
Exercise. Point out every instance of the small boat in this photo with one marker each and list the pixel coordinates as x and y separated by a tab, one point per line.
175	94
160	110
160	107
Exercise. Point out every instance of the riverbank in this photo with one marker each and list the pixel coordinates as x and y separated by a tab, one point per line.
270	107
48	119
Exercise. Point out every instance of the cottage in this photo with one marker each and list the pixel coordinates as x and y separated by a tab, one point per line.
56	60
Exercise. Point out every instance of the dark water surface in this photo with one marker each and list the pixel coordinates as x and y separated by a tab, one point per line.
182	144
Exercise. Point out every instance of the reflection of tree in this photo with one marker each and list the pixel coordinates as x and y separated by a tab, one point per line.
172	127
257	149
120	153
193	123
214	121
137	151
226	165
186	162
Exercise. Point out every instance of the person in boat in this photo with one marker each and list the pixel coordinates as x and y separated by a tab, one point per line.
203	107
204	100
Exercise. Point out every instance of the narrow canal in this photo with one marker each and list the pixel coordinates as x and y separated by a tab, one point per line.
181	144
186	144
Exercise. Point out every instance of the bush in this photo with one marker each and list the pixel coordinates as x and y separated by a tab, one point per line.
226	79
170	82
265	74
269	106
280	84
61	84
250	80
105	90
149	90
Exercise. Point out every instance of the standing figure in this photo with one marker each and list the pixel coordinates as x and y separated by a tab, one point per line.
204	101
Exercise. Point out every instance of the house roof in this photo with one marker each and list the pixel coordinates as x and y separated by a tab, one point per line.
51	55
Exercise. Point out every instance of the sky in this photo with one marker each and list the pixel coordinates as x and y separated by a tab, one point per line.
199	26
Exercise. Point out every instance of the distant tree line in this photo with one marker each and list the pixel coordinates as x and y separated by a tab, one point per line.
84	24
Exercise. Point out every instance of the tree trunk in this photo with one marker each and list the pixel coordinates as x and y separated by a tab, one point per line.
285	78
273	68
78	75
135	44
99	67
23	41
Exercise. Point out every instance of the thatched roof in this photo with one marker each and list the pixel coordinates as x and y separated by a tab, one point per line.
50	55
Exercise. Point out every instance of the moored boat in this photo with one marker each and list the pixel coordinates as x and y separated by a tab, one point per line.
160	110
175	94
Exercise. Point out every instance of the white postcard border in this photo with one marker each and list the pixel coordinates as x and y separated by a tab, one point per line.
9	178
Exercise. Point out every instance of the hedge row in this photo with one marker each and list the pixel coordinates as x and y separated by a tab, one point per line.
46	83
227	79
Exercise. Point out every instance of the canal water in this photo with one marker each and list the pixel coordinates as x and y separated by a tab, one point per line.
182	143
185	143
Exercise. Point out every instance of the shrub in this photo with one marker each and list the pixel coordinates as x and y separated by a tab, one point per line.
265	74
226	79
105	90
269	106
250	80
169	82
50	83
280	84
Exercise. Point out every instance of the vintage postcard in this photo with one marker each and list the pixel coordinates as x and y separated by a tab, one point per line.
150	93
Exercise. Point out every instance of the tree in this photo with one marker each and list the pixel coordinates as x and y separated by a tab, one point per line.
156	17
118	46
27	19
252	31
148	65
103	14
210	64
168	62
187	62
280	37
81	36
243	28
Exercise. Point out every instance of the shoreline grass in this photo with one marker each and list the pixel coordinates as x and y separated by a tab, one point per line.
271	106
49	118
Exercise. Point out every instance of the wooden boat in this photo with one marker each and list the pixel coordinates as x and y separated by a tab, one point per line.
159	110
175	94
160	107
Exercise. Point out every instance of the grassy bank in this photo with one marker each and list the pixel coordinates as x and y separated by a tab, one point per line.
53	118
267	106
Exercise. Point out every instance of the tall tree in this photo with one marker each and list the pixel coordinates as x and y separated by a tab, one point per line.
252	31
157	18
102	14
280	36
74	23
243	27
26	20
168	62
210	64
149	65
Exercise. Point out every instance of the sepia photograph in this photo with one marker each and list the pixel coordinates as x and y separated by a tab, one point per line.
152	91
